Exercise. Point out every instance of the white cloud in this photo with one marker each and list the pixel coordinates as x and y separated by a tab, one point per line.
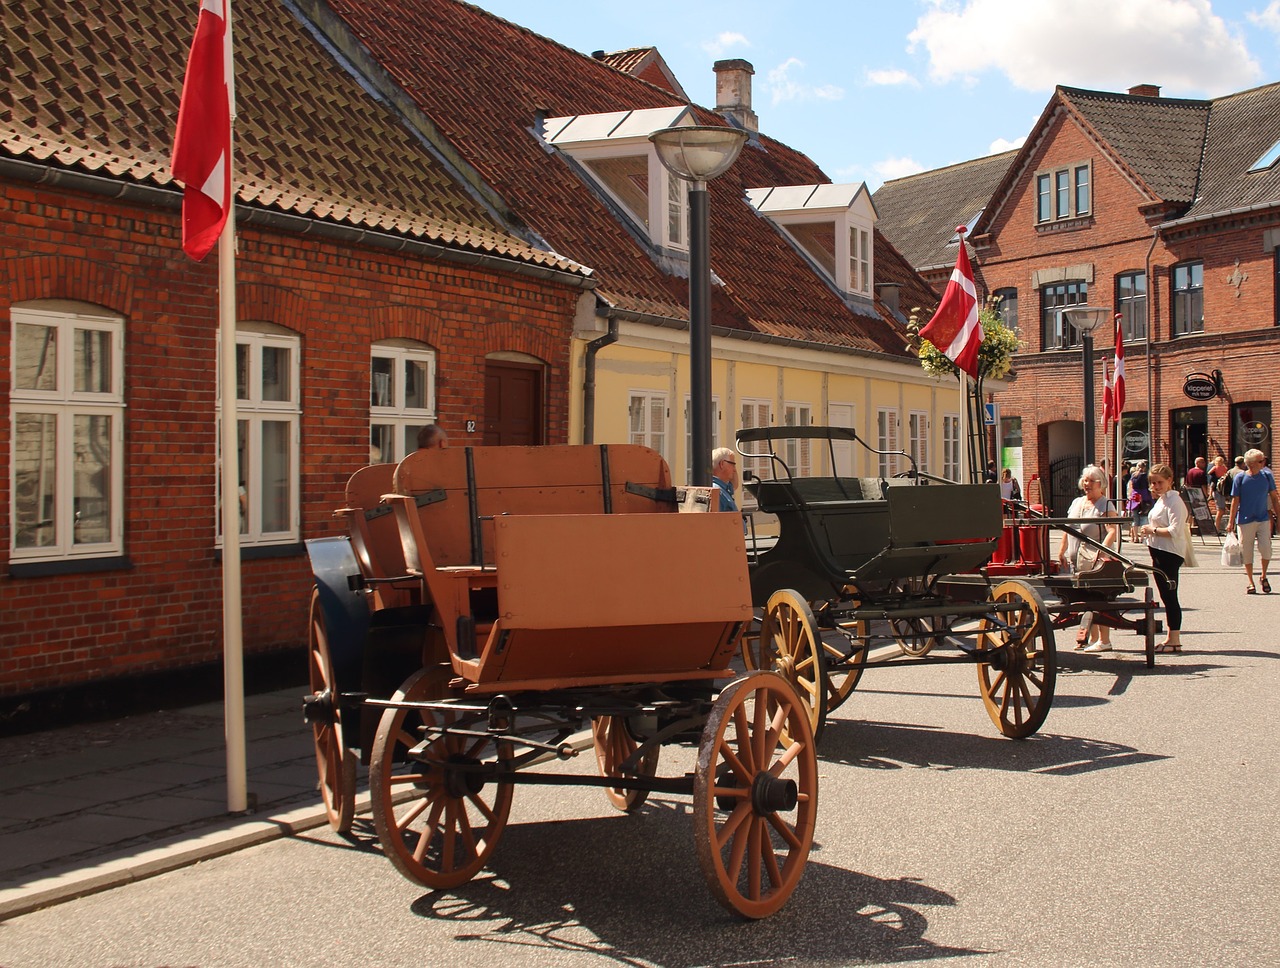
891	168
1004	144
1268	19
893	76
723	43
1181	45
784	87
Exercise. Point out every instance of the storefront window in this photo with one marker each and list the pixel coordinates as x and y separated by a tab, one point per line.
1251	427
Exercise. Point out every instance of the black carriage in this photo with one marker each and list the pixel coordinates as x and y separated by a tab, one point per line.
865	572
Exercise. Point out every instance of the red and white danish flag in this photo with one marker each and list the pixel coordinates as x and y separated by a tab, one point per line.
955	328
202	146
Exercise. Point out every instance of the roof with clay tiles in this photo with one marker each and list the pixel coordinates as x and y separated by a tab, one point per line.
485	83
95	88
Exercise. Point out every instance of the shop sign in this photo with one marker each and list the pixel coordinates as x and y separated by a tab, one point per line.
1200	386
1135	442
1255	432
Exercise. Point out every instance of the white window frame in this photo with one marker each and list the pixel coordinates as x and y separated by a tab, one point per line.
918	438
252	413
688	434
951	446
65	404
395	414
798	453
625	134
755	412
887	435
644	433
844	207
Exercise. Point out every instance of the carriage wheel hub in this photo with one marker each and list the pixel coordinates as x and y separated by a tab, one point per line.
318	708
462	783
770	794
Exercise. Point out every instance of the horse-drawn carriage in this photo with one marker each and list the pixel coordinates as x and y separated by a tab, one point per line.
864	572
493	609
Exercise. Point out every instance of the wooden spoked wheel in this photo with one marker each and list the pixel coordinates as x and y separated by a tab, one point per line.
915	636
614	746
335	762
790	644
845	666
1017	667
438	824
755	794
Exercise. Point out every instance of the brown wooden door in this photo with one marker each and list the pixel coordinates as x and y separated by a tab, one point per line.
512	403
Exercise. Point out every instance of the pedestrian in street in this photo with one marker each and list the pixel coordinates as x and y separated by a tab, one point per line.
1167	535
1009	488
1197	475
1253	496
1218	474
990	476
1139	498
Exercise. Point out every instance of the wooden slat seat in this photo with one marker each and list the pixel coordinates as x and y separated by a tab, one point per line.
568	565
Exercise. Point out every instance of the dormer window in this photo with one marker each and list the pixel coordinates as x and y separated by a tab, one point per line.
614	150
832	225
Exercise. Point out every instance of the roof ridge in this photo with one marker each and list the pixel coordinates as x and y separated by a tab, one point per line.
1126	96
959	164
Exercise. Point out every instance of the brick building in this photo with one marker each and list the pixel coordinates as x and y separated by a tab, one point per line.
417	242
375	294
1164	210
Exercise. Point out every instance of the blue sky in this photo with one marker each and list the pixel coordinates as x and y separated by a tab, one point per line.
878	89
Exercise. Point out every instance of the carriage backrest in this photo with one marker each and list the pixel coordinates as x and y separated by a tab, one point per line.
461	490
374	535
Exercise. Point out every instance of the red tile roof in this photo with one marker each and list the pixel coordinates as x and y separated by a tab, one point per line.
95	88
484	82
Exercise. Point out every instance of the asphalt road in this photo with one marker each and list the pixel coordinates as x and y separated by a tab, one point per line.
1139	827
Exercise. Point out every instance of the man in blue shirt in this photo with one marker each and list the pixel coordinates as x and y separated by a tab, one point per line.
724	476
1253	495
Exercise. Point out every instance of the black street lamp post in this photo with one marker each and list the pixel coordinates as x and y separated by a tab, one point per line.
697	154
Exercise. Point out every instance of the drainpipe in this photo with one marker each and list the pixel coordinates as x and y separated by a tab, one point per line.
1151	291
589	380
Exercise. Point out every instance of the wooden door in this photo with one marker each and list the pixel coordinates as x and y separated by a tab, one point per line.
512	403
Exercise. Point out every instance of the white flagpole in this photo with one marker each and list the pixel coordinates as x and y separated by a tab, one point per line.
232	625
965	476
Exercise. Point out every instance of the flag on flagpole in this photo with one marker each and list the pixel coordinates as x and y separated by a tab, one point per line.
202	145
954	328
1117	375
1108	401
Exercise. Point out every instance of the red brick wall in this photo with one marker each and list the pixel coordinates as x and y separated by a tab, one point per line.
1240	337
166	611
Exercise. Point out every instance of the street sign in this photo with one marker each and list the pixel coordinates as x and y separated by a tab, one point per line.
990	414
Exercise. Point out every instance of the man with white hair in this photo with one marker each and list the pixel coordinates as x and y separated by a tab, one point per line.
724	476
1253	496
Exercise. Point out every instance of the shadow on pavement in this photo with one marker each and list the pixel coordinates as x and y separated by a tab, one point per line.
629	889
896	746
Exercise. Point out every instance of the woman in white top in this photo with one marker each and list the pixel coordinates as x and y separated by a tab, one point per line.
1074	555
1164	533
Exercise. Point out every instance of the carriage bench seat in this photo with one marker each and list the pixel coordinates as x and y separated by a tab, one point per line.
567	565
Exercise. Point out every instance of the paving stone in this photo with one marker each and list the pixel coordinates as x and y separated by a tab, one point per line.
30	805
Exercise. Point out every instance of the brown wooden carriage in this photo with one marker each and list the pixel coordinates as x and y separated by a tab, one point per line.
558	602
865	572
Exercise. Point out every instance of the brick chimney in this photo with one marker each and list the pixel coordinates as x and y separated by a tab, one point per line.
733	92
1145	90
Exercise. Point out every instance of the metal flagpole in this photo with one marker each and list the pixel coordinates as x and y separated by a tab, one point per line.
232	625
965	475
